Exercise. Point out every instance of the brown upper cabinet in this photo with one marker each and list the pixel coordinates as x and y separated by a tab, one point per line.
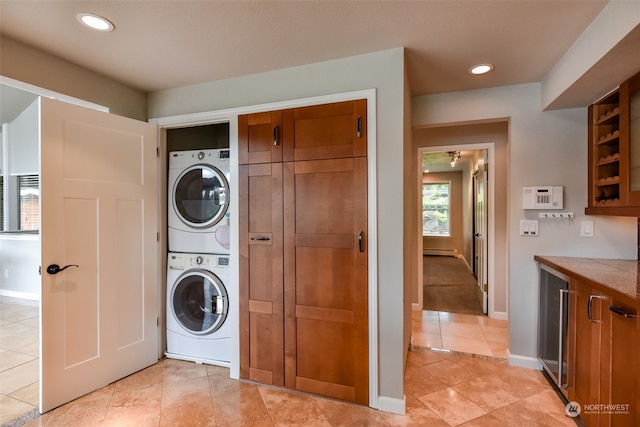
260	138
614	152
329	131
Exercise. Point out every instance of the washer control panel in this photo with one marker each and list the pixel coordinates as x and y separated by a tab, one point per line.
184	261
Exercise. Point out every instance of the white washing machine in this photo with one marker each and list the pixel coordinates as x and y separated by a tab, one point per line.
197	308
198	218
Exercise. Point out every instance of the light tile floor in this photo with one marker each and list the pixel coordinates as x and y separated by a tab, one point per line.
441	389
464	333
19	353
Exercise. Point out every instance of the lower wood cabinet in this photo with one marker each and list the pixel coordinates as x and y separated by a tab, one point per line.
603	377
624	358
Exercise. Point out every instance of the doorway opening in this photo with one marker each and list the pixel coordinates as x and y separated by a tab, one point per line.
455	298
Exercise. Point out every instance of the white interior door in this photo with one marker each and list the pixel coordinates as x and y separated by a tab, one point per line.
481	219
99	210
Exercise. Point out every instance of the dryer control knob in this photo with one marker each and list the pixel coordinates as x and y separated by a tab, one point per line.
201	155
199	260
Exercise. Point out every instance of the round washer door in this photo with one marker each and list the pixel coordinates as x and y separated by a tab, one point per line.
199	302
200	196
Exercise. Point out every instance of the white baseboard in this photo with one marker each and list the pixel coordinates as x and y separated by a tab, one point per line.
16	294
439	251
524	361
500	315
390	404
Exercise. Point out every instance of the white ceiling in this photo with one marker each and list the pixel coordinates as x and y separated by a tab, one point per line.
164	44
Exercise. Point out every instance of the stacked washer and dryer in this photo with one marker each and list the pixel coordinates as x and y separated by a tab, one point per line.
198	259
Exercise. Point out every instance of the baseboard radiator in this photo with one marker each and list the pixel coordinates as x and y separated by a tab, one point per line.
442	252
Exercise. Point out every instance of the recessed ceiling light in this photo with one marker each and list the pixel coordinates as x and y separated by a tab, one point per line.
94	21
481	69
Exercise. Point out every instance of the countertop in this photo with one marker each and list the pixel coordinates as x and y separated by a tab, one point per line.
619	277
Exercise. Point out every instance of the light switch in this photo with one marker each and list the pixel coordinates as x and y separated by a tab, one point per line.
586	228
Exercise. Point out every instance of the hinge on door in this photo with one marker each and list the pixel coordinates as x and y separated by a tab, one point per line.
157	321
485	288
157	237
157	151
359	127
486	167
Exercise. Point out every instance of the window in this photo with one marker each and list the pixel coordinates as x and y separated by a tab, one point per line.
435	208
29	191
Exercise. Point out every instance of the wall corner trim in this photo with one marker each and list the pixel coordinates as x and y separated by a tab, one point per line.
393	405
524	361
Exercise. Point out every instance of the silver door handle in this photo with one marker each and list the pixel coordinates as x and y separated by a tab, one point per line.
589	310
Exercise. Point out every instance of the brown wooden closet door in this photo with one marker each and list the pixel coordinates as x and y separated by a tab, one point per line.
261	269
328	131
326	330
260	138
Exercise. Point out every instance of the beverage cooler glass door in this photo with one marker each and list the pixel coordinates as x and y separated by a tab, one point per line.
552	327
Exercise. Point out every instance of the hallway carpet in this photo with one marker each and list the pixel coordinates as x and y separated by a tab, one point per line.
449	286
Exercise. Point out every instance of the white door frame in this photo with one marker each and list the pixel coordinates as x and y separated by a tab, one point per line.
490	147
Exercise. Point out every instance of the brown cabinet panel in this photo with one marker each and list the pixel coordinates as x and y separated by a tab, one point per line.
303	249
624	388
326	268
326	131
603	358
261	269
321	282
630	129
614	152
260	138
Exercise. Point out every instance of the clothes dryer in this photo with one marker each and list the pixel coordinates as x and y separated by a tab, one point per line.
198	201
197	308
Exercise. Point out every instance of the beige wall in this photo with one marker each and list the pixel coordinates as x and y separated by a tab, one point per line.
410	216
455	240
29	65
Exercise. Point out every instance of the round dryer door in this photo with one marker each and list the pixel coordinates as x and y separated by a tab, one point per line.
199	301
200	196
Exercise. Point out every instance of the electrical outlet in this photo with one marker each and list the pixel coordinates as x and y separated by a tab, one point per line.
528	227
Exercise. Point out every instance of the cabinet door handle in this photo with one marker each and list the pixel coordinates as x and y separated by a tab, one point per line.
276	131
589	311
260	238
359	127
621	312
360	248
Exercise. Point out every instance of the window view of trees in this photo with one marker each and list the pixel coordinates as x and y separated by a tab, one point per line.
435	209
